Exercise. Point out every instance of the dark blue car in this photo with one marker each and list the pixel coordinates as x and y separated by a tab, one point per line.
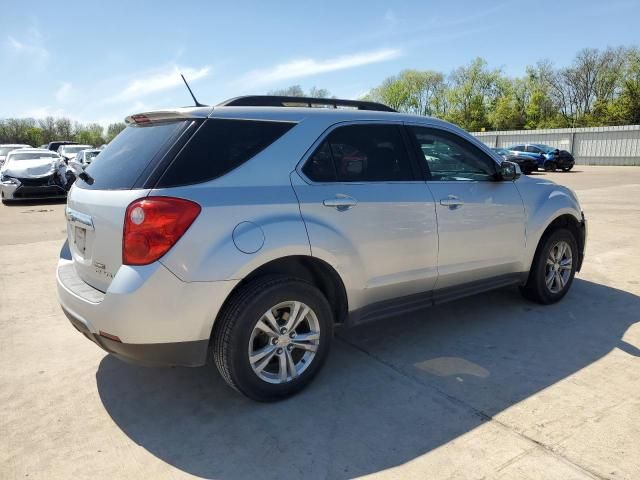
549	158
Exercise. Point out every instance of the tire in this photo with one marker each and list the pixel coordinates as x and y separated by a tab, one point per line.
550	166
236	335
536	288
566	169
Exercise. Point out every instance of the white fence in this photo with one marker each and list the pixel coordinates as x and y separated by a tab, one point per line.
589	146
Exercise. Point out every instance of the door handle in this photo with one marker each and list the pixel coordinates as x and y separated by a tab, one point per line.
451	201
341	202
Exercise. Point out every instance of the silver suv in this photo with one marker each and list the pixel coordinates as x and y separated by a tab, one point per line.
243	233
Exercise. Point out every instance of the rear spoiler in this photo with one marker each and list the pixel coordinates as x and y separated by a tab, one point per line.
167	115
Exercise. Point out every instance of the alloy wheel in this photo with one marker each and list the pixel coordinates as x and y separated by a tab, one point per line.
558	266
284	342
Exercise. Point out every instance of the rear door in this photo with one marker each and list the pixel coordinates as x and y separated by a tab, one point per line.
95	211
480	219
367	211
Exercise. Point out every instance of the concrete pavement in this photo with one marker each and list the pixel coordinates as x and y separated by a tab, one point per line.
488	387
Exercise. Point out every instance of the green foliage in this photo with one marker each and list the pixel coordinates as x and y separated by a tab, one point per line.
38	132
598	88
297	91
114	129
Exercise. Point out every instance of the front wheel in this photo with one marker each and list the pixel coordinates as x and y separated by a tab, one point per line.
566	169
553	268
550	166
272	337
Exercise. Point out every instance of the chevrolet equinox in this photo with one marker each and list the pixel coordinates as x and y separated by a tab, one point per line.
241	234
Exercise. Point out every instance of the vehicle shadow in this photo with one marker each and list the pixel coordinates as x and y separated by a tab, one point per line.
390	393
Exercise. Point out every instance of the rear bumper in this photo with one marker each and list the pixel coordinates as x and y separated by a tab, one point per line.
152	355
564	162
147	316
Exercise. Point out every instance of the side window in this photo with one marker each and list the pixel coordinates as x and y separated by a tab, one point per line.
319	167
362	153
220	146
451	158
518	148
531	148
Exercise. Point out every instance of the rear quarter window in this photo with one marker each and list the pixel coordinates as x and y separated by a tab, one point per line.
220	146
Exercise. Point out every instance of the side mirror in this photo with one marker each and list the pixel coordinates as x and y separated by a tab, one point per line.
509	171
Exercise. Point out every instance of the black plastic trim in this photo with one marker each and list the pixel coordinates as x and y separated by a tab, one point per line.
185	354
422	300
281	101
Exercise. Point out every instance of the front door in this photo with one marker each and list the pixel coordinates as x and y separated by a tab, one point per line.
480	218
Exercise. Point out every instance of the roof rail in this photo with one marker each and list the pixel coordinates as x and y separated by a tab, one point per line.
282	101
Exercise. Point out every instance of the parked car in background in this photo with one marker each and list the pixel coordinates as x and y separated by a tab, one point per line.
527	163
550	158
85	157
33	173
5	148
242	235
69	152
55	145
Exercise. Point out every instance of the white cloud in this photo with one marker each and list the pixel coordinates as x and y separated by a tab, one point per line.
308	67
158	81
30	49
63	92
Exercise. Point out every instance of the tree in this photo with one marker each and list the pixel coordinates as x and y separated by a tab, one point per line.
90	134
472	91
114	129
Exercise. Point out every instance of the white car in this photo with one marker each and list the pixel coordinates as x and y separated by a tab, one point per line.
85	157
69	152
32	173
5	148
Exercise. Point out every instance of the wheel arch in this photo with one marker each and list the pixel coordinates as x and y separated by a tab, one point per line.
571	223
307	268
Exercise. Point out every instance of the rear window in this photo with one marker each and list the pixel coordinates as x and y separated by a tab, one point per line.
127	156
218	147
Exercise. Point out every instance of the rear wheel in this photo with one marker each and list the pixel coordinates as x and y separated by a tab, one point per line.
272	337
550	166
566	169
553	268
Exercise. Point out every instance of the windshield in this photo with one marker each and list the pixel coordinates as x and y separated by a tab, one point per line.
545	148
74	148
32	156
90	155
5	150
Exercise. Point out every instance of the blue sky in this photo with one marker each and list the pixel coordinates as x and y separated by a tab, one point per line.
99	61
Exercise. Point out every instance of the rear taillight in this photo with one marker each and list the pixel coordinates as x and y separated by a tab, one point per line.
153	225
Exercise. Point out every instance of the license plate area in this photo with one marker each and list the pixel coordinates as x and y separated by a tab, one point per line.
80	239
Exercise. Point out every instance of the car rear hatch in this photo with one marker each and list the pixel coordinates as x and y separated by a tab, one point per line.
123	172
